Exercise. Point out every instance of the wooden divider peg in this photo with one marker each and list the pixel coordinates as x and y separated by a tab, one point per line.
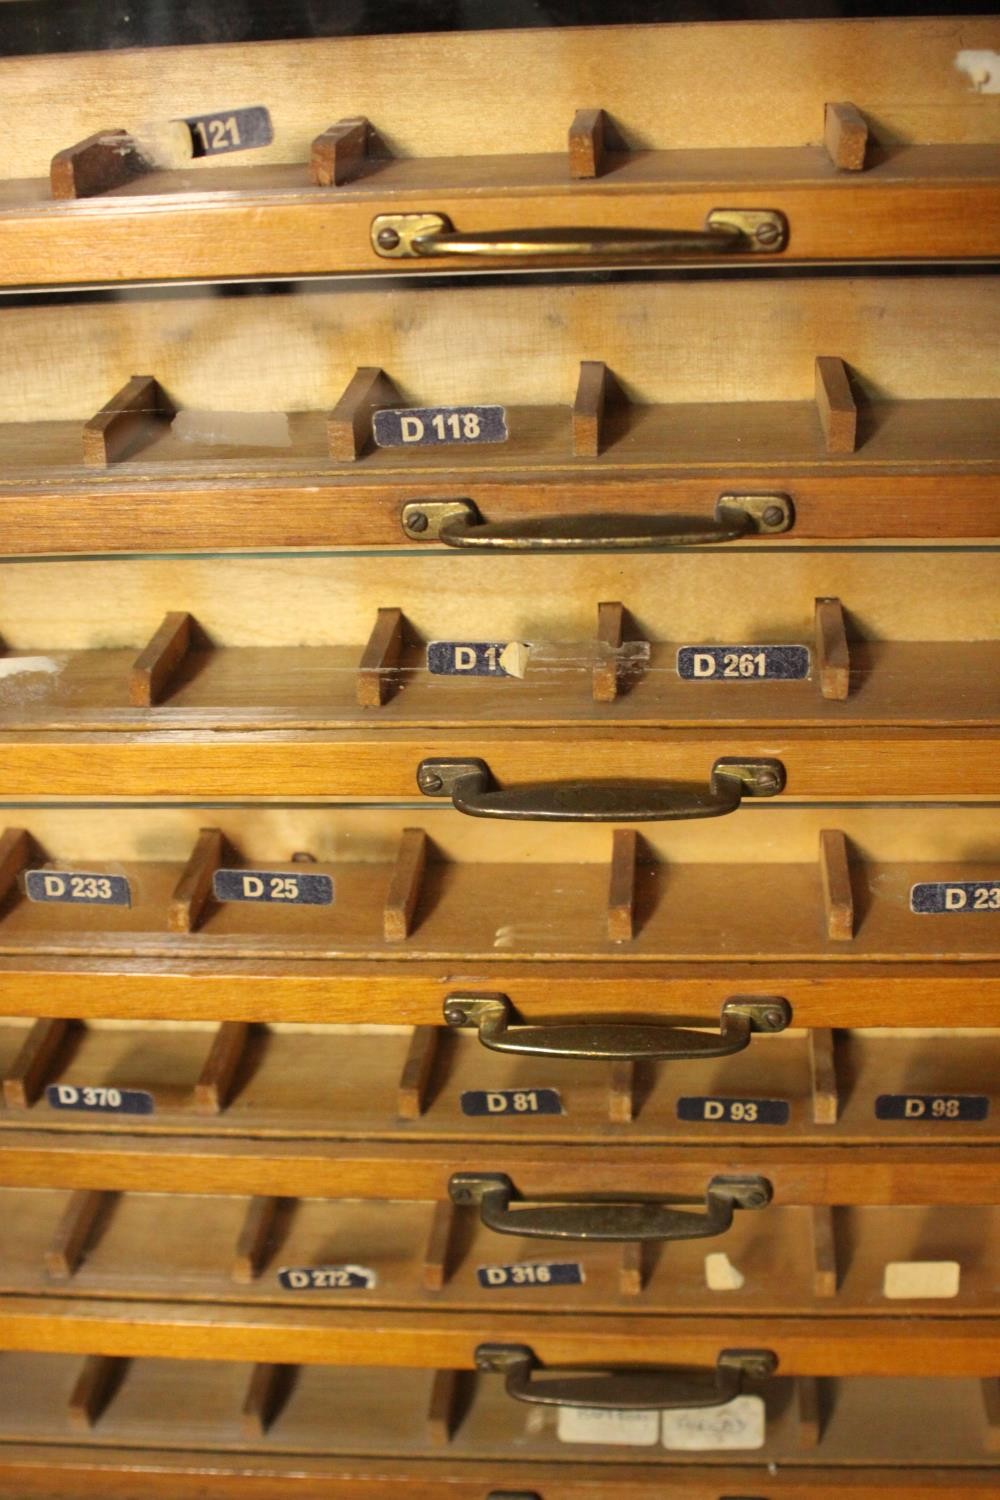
159	660
823	1071
341	153
97	1382
632	1269
16	852
824	1251
377	679
621	1092
255	1238
845	136
30	1068
593	136
107	160
613	619
267	1392
598	394
835	875
621	885
194	888
437	1252
808	1410
349	425
68	1245
833	652
838	413
404	885
123	424
990	1391
441	1408
414	1080
211	1092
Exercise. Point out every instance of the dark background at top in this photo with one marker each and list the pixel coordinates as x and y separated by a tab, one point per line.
33	26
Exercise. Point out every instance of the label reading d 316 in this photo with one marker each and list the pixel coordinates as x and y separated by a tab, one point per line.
77	888
424	426
955	895
743	663
532	1273
288	889
511	1102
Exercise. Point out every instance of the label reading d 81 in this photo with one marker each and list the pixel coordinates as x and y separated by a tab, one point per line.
511	1102
77	888
743	663
424	426
956	895
99	1099
272	885
952	1107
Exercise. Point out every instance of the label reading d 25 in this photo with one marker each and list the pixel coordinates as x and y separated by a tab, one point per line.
957	895
511	1102
281	886
932	1107
424	426
97	1099
533	1273
743	663
733	1111
230	130
77	888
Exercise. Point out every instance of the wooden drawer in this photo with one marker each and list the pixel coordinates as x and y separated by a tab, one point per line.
664	158
866	409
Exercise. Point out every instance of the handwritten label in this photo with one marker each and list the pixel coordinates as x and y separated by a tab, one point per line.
733	1111
740	1423
623	1429
424	426
532	1273
77	888
230	130
477	658
743	663
326	1278
272	885
100	1100
932	1107
511	1102
958	895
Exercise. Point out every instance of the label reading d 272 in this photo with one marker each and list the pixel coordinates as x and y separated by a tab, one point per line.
956	895
424	426
733	1111
326	1278
511	1102
230	130
932	1107
533	1273
743	663
97	1099
77	888
272	885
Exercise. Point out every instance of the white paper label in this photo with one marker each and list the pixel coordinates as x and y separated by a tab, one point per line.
624	1429
738	1424
921	1278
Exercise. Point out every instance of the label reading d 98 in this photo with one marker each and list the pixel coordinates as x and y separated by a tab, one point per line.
953	1107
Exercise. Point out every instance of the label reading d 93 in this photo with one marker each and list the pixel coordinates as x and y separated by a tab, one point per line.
743	663
733	1111
956	895
77	888
98	1099
424	426
280	886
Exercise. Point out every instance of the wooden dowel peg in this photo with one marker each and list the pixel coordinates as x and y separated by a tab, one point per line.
838	414
266	1394
621	885
414	1080
621	1092
598	394
808	1414
159	660
32	1065
437	1254
194	888
990	1390
349	425
441	1413
69	1244
833	653
632	1271
107	160
124	423
255	1239
404	885
97	1382
15	855
341	153
845	136
824	1248
823	1073
612	619
592	138
211	1092
377	678
835	874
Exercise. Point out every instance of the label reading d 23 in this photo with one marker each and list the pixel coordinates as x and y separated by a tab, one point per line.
97	1099
77	888
743	663
532	1273
932	1107
733	1111
957	895
423	426
477	658
289	889
230	130
511	1102
326	1278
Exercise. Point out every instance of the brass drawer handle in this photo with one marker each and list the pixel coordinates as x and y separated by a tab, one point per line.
468	781
457	523
613	1220
618	1041
640	1389
415	236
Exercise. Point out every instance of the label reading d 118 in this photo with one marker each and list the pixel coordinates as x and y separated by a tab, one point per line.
955	895
477	658
424	426
743	663
326	1278
98	1099
733	1111
77	888
932	1107
532	1273
230	130
272	885
511	1102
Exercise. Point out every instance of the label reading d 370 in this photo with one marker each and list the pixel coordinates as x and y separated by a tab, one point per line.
424	426
743	663
951	1107
288	889
77	888
511	1102
99	1099
733	1111
955	895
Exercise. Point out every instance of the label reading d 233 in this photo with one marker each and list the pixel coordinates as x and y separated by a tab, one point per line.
932	1107
956	895
477	658
743	663
422	426
532	1273
290	889
77	888
97	1099
326	1278
733	1111
230	130
511	1102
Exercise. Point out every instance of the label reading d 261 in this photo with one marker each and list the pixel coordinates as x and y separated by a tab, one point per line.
230	130
932	1107
77	888
423	426
511	1102
289	889
733	1111
532	1273
955	895
98	1099
743	663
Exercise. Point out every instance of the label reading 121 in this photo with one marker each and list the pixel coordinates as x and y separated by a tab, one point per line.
743	663
326	1278
77	888
97	1099
272	885
734	1111
533	1273
957	895
422	426
511	1102
230	130
932	1107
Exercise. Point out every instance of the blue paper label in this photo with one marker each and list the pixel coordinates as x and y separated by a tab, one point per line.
511	1102
280	886
99	1100
743	663
424	426
935	896
733	1111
